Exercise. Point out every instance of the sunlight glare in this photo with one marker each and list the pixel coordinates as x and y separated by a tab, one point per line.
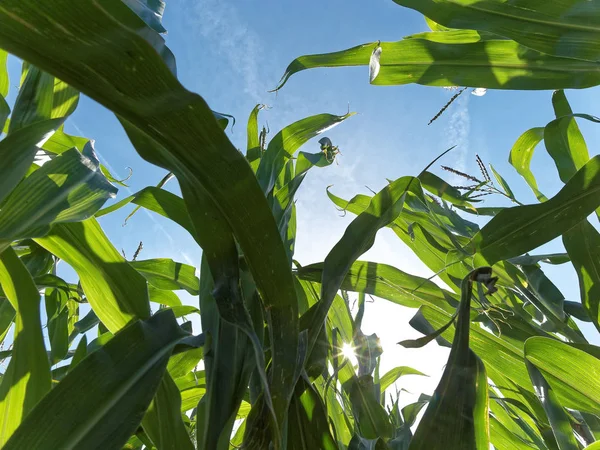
348	351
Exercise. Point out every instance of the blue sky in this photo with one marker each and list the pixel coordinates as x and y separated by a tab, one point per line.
232	53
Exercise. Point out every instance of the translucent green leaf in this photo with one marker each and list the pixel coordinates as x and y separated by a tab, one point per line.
439	187
517	230
394	374
116	291
497	64
17	152
568	28
125	373
69	188
582	243
35	100
567	370
284	145
563	139
27	378
57	313
165	273
4	80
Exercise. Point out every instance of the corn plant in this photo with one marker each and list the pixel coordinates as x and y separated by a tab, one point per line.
267	370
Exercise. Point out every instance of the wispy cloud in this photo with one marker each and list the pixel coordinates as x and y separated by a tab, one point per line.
233	40
457	133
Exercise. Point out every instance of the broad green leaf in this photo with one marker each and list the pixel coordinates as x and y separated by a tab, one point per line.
502	182
141	96
387	282
284	145
253	149
521	154
370	417
569	371
17	152
546	293
150	11
27	378
563	139
557	416
57	314
308	426
394	374
582	243
35	100
115	290
567	28
80	353
159	201
520	229
7	316
4	80
554	258
70	188
165	273
125	373
357	239
457	415
162	422
229	360
497	64
439	187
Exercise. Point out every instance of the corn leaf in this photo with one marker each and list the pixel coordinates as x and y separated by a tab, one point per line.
141	96
517	230
164	273
567	28
582	243
69	188
521	154
27	378
496	64
17	152
125	373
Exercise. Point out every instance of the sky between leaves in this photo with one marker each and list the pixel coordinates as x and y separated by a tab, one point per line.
233	52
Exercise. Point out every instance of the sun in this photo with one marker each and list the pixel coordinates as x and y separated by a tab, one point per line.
348	351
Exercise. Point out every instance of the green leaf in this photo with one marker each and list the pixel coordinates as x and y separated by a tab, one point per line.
17	152
125	373
284	145
308	426
7	316
387	282
80	353
517	230
563	139
165	273
502	182
27	378
253	150
566	28
370	417
527	260
496	64
140	96
115	290
159	201
567	370
521	154
394	374
439	187
357	239
162	422
4	80
557	416
547	295
70	188
57	313
457	415
150	11
582	243
35	99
